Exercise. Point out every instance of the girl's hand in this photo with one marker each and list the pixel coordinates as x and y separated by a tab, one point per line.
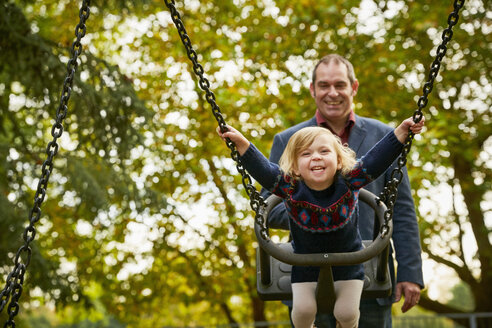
242	144
401	131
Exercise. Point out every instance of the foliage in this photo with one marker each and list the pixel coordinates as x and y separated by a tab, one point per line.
144	201
462	297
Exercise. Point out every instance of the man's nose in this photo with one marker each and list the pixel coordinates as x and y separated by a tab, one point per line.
332	91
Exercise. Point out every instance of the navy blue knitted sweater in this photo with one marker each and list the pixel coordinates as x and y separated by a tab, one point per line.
326	220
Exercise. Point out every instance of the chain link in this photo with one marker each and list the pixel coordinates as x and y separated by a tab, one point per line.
257	202
15	279
389	193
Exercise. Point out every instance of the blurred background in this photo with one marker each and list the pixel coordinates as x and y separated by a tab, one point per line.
146	222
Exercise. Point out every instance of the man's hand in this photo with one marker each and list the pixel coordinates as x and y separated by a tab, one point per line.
411	293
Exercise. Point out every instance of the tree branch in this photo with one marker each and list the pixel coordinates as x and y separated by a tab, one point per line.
456	217
436	306
210	243
463	273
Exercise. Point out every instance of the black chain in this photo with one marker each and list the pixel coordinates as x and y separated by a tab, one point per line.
389	194
256	201
15	280
14	284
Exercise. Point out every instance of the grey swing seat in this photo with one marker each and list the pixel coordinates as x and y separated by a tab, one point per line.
274	261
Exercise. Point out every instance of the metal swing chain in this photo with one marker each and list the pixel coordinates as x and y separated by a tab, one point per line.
389	193
257	202
13	287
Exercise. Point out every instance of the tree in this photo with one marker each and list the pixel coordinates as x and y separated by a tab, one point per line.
145	201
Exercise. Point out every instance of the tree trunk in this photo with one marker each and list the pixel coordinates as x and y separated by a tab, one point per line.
258	309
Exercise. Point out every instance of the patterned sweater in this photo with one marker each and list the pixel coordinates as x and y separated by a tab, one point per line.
326	220
336	206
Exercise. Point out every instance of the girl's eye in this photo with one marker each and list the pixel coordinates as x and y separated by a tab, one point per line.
305	153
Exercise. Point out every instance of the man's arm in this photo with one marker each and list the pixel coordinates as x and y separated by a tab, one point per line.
406	241
406	238
278	217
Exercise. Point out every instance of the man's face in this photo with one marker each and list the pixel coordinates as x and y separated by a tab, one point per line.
333	92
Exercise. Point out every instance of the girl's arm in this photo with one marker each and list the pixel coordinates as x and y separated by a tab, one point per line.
268	174
383	154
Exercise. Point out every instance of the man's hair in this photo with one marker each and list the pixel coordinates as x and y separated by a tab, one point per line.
339	60
303	138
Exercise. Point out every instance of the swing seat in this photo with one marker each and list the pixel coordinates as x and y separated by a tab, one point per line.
280	289
274	261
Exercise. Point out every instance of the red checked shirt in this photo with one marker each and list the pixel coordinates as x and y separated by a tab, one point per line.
344	136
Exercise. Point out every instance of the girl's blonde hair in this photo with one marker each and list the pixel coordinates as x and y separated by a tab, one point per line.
303	138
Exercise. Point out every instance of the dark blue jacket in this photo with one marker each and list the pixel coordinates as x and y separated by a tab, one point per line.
406	240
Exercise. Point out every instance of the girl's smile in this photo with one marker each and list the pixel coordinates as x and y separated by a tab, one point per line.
318	163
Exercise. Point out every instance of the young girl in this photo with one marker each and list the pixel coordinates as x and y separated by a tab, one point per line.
319	180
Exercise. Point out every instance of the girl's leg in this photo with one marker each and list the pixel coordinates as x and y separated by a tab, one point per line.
347	303
303	304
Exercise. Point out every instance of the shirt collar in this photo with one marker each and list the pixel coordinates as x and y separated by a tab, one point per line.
321	121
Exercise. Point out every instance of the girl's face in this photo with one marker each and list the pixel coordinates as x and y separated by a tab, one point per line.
318	163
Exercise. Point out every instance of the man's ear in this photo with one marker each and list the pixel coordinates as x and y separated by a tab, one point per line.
311	89
355	87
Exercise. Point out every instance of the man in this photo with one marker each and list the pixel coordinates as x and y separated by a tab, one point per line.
333	88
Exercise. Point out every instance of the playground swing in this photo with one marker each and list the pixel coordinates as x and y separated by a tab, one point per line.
273	260
270	268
